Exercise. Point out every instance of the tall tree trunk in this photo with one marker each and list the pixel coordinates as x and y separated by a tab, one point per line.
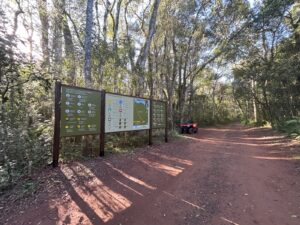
115	43
69	49
57	38
70	54
214	101
30	36
170	76
141	61
116	27
182	96
43	14
295	25
98	20
88	43
152	24
267	104
191	100
107	7
104	47
254	101
131	52
150	71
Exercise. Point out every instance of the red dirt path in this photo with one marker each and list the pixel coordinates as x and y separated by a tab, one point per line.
221	176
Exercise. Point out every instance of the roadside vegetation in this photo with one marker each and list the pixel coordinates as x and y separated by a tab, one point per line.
291	127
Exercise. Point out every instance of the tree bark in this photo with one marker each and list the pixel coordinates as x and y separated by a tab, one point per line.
57	38
141	61
43	14
69	49
107	6
115	43
253	101
88	43
116	27
131	52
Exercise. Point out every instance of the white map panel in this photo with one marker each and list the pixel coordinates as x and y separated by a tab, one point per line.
123	113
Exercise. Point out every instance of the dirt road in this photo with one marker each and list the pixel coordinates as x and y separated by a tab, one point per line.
229	175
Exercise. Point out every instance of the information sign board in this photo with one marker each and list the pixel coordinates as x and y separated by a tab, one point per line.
158	114
123	113
80	111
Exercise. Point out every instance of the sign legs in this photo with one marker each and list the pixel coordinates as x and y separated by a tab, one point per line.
56	138
166	122
151	122
102	124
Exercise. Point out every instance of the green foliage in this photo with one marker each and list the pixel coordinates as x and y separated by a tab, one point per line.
124	143
291	127
81	148
260	123
267	81
213	103
25	131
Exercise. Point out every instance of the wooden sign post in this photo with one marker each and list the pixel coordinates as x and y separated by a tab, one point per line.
102	124
151	122
56	137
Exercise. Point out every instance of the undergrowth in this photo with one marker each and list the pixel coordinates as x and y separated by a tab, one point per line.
291	128
80	148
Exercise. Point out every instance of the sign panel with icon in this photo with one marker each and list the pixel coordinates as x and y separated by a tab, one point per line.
158	114
80	111
124	113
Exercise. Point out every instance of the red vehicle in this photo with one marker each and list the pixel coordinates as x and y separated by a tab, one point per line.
190	128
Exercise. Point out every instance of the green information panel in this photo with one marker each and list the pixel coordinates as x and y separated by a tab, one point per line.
80	111
159	114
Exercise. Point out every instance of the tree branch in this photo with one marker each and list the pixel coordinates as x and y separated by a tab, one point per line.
75	28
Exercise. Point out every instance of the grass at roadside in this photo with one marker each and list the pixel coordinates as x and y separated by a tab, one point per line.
291	128
127	143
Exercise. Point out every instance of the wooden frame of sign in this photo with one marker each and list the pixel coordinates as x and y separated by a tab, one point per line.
82	111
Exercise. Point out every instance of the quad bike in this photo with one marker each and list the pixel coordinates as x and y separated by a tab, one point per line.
190	128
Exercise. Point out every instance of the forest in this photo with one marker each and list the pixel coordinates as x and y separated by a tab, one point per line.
213	61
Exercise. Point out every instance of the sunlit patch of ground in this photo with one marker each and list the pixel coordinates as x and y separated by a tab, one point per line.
171	158
170	170
264	138
127	187
133	179
289	150
222	141
229	221
275	158
88	199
